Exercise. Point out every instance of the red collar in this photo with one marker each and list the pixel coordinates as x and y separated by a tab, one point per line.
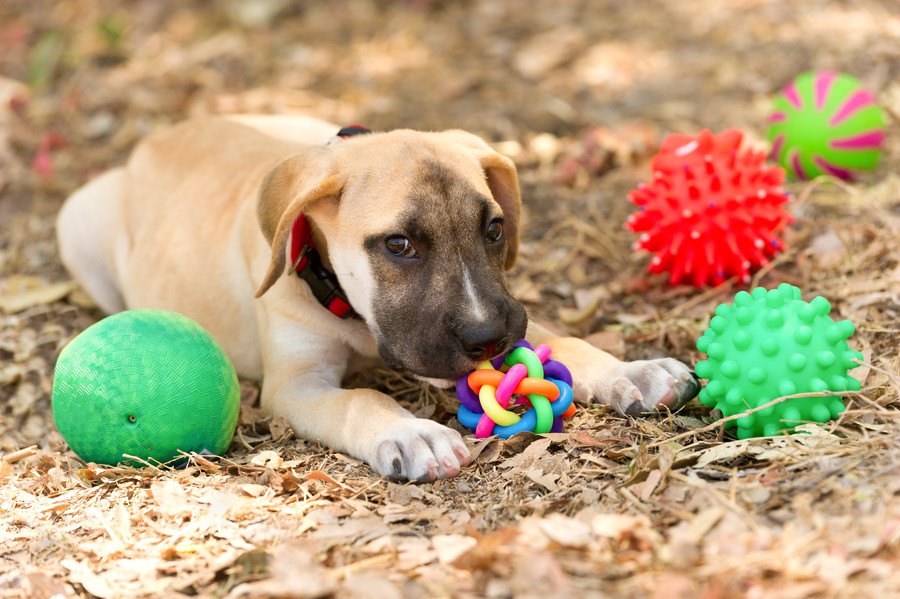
308	265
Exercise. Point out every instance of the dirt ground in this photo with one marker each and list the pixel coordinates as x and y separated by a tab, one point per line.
579	93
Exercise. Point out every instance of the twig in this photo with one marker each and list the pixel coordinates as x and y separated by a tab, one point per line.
699	299
19	454
142	461
780	259
818	182
721	422
879	413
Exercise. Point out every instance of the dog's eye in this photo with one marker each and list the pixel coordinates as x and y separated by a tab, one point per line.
400	246
494	230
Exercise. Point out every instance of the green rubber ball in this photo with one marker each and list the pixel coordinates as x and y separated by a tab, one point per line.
770	344
148	384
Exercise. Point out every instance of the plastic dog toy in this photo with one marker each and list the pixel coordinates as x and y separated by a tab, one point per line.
712	211
826	124
531	379
146	383
770	344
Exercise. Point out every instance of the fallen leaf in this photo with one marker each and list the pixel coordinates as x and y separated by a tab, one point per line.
295	573
368	585
675	586
252	489
568	532
634	531
80	573
280	429
545	479
723	451
861	372
46	587
450	547
322	476
587	439
267	459
403	494
483	555
170	496
478	451
12	303
645	489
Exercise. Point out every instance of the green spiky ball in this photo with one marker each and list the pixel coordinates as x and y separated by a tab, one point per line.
146	383
768	344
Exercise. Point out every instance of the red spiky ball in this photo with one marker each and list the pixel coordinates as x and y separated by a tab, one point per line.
713	210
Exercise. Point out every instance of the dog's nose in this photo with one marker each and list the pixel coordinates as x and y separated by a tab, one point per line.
484	340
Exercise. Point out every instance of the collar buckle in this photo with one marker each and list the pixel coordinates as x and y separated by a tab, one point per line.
323	284
307	263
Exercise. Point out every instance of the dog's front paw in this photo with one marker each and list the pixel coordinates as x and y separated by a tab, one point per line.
419	450
648	386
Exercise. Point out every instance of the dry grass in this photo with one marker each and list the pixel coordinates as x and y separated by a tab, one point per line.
660	507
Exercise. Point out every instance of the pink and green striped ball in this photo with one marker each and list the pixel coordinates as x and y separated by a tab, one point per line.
825	123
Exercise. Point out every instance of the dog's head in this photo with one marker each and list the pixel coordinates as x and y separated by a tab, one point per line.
419	229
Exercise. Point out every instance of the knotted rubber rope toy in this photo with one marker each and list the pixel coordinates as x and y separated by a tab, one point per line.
525	376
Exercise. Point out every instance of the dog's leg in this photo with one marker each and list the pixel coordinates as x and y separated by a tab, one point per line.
628	387
301	382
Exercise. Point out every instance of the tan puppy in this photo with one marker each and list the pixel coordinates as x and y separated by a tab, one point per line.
417	227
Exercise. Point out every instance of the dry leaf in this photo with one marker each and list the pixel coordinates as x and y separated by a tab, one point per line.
295	574
324	477
46	587
566	531
368	585
450	547
17	301
280	429
645	489
170	496
723	451
81	574
253	490
485	552
545	479
267	459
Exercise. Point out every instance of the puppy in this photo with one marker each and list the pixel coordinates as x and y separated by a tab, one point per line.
405	240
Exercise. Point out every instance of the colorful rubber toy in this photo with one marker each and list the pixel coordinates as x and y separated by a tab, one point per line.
826	124
531	379
712	211
770	344
146	383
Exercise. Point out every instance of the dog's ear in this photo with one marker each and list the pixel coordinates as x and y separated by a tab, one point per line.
291	188
503	181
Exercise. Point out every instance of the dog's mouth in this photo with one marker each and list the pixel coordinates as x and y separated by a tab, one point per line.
447	378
